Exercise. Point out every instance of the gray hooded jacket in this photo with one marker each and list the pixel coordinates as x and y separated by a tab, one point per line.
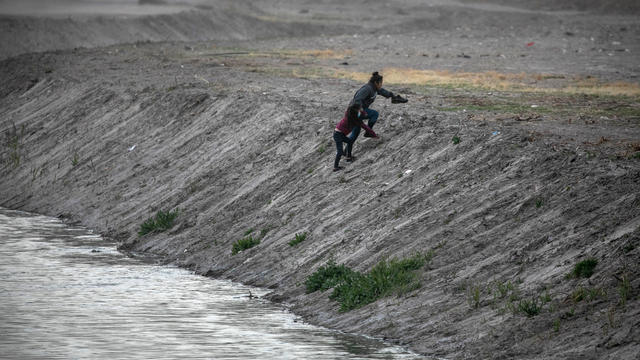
367	94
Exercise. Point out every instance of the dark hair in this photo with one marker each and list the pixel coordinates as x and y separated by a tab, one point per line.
352	114
375	77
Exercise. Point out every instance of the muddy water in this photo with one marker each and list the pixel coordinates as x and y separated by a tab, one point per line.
67	293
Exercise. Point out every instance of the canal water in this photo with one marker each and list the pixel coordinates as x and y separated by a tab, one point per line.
66	293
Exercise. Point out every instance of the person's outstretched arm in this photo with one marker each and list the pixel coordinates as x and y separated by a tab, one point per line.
385	93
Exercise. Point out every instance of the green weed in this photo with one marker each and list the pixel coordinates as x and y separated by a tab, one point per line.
571	313
244	244
322	149
578	294
624	289
539	203
161	222
611	316
298	239
248	232
456	140
628	247
13	144
35	172
546	298
326	277
529	307
353	289
75	160
584	268
556	325
587	294
473	296
265	230
503	289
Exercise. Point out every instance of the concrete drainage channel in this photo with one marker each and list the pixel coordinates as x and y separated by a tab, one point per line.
70	294
515	159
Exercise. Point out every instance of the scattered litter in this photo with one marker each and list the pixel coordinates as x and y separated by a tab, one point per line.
530	44
407	172
528	117
534	106
615	43
495	133
344	63
201	78
182	66
132	148
264	93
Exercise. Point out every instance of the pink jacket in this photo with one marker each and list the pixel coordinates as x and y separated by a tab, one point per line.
343	126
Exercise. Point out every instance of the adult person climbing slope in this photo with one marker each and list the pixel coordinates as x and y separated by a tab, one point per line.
352	119
365	96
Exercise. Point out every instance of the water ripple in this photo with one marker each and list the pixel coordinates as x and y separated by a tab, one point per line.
66	293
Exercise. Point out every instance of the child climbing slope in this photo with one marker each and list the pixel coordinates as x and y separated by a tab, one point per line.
352	118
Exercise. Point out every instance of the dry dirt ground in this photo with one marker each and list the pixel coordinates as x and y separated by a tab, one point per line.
230	121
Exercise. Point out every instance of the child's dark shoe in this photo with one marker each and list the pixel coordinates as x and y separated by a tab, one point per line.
338	168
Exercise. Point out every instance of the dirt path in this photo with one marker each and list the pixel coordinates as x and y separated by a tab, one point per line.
235	133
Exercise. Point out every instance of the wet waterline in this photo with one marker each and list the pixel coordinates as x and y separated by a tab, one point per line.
68	293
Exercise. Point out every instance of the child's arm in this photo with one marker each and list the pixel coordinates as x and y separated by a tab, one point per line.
368	129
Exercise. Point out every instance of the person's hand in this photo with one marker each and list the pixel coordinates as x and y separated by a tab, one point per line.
397	99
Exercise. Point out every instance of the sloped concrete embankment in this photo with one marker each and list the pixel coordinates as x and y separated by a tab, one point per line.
521	206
